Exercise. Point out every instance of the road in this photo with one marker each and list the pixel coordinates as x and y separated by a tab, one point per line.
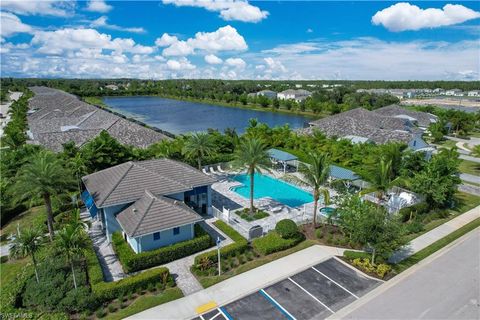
447	287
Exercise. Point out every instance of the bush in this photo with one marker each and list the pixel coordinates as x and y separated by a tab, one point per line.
273	242
101	313
107	291
417	209
383	269
364	264
238	247
132	261
415	227
319	233
352	255
258	214
94	270
287	229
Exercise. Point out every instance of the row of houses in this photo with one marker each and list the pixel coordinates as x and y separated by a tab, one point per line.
388	124
56	117
412	93
298	95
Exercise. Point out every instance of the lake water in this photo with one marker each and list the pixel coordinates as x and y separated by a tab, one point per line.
180	117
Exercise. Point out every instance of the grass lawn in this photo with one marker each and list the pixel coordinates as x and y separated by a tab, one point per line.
465	202
434	247
32	217
259	214
448	144
96	101
469	167
207	281
145	302
10	269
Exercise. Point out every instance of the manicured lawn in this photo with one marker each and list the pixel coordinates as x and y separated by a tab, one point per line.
469	167
145	302
32	217
446	143
434	247
10	269
207	281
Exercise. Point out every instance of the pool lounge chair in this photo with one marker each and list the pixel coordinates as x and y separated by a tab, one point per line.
212	170
205	171
220	169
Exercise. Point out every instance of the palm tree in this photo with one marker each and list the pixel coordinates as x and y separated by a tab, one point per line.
78	166
27	243
381	178
42	176
198	146
71	241
315	176
251	154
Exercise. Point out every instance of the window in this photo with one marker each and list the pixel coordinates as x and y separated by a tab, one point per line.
176	231
156	236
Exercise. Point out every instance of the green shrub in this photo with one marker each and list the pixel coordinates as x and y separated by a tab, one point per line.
364	264
383	269
94	270
132	261
205	260
273	242
352	255
415	227
107	291
319	233
101	313
287	229
417	209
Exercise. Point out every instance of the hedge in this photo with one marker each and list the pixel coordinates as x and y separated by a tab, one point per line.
107	291
273	242
94	270
287	229
238	247
419	208
351	255
132	261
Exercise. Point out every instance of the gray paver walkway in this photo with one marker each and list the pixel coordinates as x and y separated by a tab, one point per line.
111	267
434	235
469	158
469	188
470	178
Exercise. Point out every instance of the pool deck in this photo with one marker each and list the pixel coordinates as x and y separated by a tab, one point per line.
225	198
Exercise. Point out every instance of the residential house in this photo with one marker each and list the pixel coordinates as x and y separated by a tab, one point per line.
153	203
420	119
297	95
473	93
267	93
454	92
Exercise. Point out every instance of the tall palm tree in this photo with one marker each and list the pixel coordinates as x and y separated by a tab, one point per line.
78	166
27	243
72	242
251	154
198	146
315	176
44	176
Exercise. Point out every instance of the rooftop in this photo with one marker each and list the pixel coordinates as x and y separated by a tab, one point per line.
127	182
281	155
423	119
151	214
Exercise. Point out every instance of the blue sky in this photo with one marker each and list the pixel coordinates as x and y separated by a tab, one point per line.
239	39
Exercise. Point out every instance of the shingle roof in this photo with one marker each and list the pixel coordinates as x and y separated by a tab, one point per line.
151	214
127	182
54	112
363	123
423	119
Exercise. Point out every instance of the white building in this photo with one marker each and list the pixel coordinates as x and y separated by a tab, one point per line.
297	95
267	93
474	93
454	92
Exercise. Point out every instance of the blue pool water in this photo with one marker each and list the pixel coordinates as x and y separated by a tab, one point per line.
265	186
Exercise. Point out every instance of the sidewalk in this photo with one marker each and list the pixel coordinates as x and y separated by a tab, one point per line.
241	285
434	235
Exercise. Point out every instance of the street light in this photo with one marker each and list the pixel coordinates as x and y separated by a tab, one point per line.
218	252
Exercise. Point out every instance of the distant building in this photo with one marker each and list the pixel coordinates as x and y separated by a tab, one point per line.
439	91
112	87
297	95
267	93
473	93
454	92
298	85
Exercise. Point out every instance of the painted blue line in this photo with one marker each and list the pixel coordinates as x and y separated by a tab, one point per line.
225	312
275	304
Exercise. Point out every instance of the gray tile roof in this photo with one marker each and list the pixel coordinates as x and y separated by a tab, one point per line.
126	182
58	117
363	123
423	119
153	213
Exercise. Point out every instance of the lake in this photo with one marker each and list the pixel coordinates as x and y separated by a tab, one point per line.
179	117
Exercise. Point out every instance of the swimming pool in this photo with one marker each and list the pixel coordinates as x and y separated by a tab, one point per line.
265	186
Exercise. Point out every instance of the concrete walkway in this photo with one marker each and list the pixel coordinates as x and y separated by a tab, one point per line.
469	158
434	235
5	250
241	285
470	178
111	267
469	188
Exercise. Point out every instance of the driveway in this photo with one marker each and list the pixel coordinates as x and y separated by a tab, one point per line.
446	287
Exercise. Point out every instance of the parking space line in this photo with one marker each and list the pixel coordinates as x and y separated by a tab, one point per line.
276	304
202	317
219	313
338	284
311	295
225	313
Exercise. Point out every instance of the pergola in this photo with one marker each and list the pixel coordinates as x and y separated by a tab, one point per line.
283	157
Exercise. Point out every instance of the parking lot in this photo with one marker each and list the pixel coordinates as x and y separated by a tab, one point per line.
315	293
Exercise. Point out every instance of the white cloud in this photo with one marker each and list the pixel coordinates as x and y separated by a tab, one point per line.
165	40
11	24
39	7
274	65
300	47
223	39
405	16
236	62
98	6
212	59
102	23
182	64
229	9
309	30
64	40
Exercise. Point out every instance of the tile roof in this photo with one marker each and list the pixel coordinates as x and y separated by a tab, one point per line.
126	182
58	117
151	214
